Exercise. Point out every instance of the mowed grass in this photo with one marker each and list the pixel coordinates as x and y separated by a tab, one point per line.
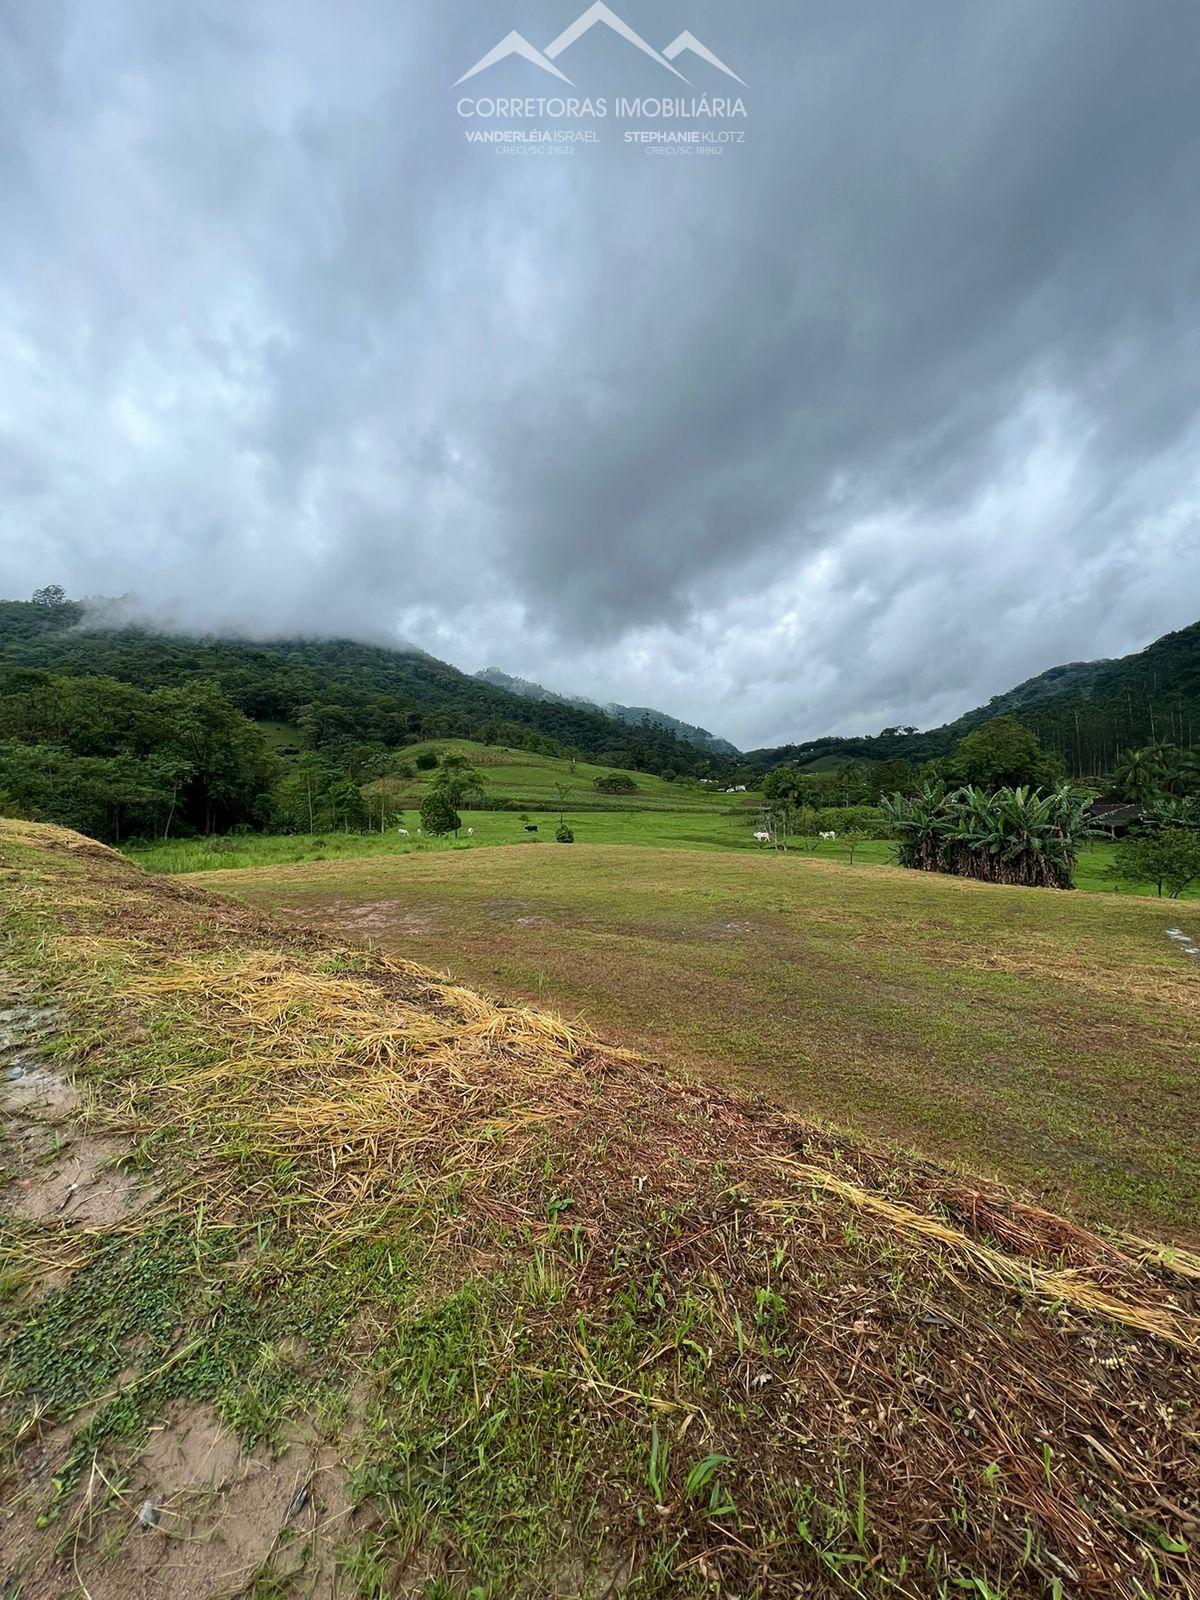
528	778
724	828
1045	1038
679	830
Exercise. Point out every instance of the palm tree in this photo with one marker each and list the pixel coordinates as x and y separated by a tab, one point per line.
1169	760
1139	775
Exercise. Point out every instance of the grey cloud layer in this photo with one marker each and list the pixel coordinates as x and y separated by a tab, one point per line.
861	422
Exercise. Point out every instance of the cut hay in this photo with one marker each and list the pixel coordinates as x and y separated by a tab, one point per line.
1072	1287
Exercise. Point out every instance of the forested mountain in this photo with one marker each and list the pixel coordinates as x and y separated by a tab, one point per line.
635	716
1089	712
334	688
338	694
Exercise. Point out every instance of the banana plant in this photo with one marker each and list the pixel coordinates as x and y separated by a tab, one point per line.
1018	835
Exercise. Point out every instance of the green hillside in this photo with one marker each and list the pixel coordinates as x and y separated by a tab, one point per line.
1086	711
530	778
335	688
338	691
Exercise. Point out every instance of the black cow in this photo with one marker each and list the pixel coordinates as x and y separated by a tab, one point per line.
531	827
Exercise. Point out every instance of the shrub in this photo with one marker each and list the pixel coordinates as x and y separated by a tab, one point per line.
868	822
563	834
616	783
1015	836
1169	859
426	761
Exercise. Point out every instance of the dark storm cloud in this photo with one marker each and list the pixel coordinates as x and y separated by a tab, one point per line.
860	422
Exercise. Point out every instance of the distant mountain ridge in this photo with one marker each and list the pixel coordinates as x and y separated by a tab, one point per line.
340	687
1089	711
635	716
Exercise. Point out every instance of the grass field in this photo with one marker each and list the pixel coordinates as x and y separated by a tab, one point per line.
709	829
716	828
534	780
321	1276
664	815
1051	1038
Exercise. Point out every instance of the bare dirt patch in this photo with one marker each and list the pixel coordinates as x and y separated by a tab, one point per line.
80	1183
55	1170
392	916
194	1517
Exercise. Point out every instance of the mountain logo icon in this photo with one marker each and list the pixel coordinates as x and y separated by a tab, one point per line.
515	44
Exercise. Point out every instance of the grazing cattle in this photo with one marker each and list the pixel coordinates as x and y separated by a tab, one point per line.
470	833
827	836
531	827
418	833
405	832
762	838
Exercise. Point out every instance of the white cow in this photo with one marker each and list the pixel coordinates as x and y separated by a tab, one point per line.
762	838
404	831
470	833
827	836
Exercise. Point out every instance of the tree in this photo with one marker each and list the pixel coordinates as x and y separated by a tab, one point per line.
1139	776
300	800
806	821
347	804
1169	859
52	595
893	777
616	783
1004	754
426	761
854	781
384	800
230	767
458	781
852	838
108	797
784	789
176	759
438	816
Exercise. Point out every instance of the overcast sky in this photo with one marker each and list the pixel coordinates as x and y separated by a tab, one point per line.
860	421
